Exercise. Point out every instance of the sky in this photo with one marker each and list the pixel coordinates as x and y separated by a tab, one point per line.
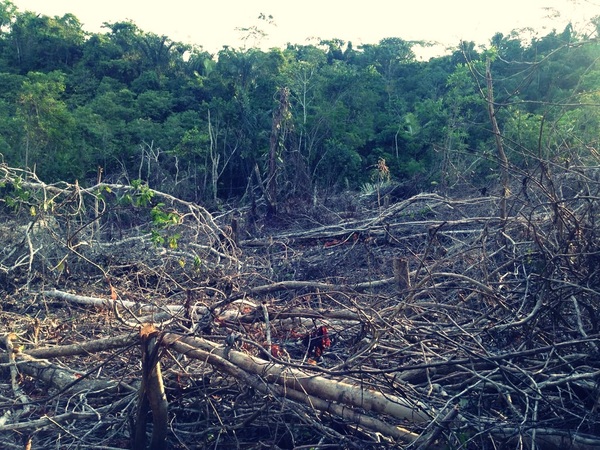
213	24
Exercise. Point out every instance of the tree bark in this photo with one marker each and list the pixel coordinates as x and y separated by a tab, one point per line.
152	393
252	378
499	142
318	386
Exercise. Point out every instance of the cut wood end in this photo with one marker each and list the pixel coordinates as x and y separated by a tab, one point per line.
12	336
8	338
148	330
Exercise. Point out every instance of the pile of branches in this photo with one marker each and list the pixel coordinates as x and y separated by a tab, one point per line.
136	320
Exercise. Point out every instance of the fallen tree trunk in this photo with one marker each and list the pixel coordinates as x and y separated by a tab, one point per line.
216	358
315	385
312	285
550	439
66	380
170	310
48	422
154	313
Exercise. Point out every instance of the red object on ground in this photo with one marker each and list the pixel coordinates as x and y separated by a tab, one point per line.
317	341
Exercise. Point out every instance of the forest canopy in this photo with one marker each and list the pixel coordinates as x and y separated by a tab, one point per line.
132	105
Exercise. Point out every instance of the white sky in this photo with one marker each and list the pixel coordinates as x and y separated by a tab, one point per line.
212	24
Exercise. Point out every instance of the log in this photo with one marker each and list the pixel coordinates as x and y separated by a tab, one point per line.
63	379
318	386
550	438
47	422
254	380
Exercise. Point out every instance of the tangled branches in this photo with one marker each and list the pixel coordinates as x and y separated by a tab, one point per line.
445	325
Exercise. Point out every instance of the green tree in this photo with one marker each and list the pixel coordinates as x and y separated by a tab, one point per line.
48	128
120	52
155	105
456	125
42	43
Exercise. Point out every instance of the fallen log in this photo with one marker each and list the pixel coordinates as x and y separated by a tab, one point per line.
63	379
154	313
549	438
216	359
47	421
318	386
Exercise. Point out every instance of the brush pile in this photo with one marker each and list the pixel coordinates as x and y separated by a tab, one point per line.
133	319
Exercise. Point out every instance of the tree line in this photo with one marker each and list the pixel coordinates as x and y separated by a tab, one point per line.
300	121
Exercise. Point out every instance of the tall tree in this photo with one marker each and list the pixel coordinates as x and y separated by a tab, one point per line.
42	43
48	125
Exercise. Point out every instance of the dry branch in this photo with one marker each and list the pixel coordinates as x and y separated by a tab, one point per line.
474	317
48	422
18	392
84	348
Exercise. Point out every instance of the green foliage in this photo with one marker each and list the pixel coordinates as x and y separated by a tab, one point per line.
48	128
41	43
16	196
338	164
162	220
73	101
142	195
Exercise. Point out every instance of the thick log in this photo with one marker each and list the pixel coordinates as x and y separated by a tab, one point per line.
254	380
318	386
63	379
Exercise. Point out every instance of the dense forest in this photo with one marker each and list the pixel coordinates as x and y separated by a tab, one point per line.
313	119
